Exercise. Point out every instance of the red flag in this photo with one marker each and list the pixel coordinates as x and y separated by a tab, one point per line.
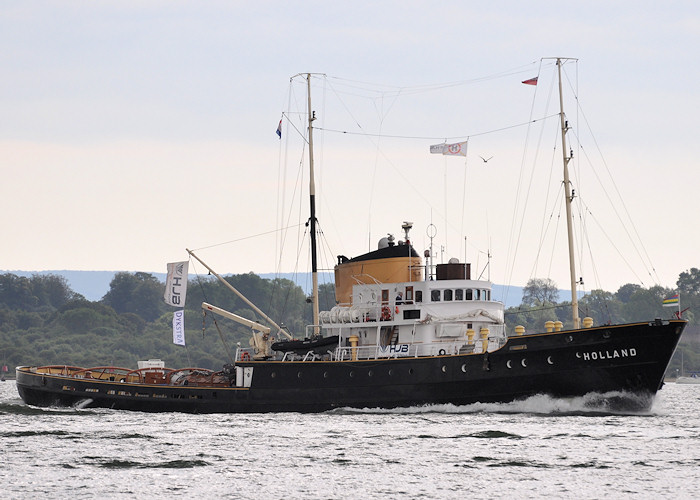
531	81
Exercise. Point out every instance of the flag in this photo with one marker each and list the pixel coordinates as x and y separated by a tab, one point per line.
179	327
176	284
672	301
279	129
531	81
456	149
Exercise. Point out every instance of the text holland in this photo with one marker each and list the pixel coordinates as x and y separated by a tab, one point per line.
594	355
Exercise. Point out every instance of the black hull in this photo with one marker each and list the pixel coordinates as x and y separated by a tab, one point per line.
623	358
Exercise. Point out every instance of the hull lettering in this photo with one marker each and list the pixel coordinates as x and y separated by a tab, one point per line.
607	354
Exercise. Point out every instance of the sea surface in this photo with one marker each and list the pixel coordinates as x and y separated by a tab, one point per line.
538	448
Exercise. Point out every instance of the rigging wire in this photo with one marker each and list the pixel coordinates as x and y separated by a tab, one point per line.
513	241
378	103
384	99
633	236
418	89
292	226
584	222
441	138
610	240
636	240
462	232
556	232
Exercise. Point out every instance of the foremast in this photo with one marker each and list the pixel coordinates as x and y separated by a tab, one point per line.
569	199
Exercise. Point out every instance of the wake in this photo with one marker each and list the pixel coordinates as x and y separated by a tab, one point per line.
592	404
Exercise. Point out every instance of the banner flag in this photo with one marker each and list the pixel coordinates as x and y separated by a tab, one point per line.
456	149
672	301
179	327
531	81
176	284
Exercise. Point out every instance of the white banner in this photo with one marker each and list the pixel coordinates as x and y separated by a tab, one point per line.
456	149
176	284
179	327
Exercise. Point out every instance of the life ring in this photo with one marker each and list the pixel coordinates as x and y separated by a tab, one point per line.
245	356
386	313
442	352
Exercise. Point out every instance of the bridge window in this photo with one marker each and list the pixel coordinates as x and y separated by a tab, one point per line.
469	294
435	295
459	294
447	295
419	295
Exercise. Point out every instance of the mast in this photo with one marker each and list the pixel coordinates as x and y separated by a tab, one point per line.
569	198
312	216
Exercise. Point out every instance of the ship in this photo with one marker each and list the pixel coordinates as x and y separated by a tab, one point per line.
403	333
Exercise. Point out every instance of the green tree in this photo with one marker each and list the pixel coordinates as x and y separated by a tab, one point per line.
16	292
82	316
625	292
689	282
52	290
138	293
539	292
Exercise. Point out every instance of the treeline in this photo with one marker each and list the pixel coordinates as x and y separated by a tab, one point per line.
43	321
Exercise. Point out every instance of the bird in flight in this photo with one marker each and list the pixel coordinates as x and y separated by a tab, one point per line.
485	159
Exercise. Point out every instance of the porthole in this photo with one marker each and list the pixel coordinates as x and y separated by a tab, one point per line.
352	374
273	374
299	375
606	334
325	374
444	369
464	368
509	364
569	338
391	372
523	362
370	373
410	371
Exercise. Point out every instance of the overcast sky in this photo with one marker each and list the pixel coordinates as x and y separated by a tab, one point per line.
109	108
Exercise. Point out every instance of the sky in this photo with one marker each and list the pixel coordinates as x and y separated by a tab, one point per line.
131	131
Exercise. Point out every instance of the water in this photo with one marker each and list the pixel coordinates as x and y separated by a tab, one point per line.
537	448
